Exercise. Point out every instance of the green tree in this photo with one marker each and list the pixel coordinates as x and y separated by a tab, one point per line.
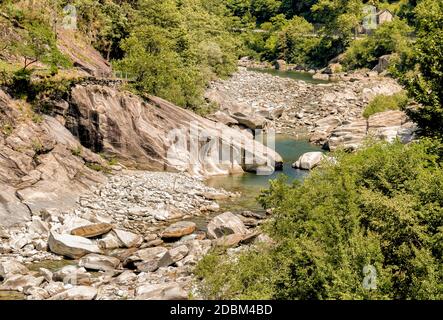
381	206
424	80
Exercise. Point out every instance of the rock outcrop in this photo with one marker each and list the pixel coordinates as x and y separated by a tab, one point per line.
39	166
387	126
157	135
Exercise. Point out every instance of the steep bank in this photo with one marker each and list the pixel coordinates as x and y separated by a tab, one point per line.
328	114
154	134
39	169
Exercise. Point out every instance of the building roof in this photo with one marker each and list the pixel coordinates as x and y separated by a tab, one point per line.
383	11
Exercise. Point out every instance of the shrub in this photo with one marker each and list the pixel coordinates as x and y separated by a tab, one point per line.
390	37
383	103
381	206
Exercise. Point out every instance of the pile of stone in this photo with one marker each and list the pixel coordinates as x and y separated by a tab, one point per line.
112	263
131	238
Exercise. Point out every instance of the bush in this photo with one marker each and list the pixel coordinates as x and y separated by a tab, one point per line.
380	207
383	103
390	37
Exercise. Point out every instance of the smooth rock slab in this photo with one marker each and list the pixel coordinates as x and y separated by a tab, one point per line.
18	282
70	246
76	293
309	160
173	255
178	229
94	261
230	240
12	266
225	224
92	230
129	239
162	291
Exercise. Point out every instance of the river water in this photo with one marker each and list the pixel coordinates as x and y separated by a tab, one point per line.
296	75
250	184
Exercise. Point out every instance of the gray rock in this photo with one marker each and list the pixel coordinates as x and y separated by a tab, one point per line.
12	266
129	239
173	255
309	160
225	224
76	293
17	282
71	246
163	291
94	261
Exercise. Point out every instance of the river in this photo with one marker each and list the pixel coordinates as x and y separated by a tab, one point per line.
250	184
296	75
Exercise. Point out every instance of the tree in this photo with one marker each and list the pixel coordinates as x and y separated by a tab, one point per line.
424	81
297	40
379	209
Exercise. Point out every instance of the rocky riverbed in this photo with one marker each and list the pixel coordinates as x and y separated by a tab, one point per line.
131	238
329	114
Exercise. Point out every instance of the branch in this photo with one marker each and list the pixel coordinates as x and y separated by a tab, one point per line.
27	64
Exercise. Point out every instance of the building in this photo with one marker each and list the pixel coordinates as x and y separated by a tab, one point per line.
384	16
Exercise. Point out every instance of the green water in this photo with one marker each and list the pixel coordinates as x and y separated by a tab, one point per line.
250	184
296	75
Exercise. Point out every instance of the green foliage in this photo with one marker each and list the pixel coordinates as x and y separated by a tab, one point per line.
98	167
424	78
77	151
390	37
175	48
382	206
296	40
7	129
383	103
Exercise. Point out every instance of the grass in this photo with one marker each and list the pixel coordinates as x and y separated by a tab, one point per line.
77	151
7	129
382	103
98	167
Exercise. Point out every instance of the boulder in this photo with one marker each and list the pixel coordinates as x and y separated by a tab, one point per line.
225	224
162	291
76	293
159	126
146	260
71	246
250	121
178	229
281	65
383	63
215	195
223	117
309	160
321	76
110	241
38	226
129	239
173	255
18	282
11	266
92	230
230	240
94	261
